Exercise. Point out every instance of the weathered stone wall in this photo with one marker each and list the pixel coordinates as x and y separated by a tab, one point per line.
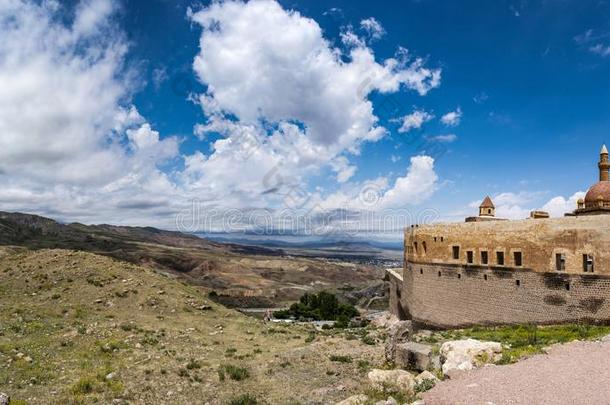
469	295
538	240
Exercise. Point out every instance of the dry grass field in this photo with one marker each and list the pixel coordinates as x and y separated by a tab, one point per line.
76	327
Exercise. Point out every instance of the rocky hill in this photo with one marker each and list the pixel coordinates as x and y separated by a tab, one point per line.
254	276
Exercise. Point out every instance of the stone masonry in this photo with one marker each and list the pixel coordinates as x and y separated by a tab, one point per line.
491	271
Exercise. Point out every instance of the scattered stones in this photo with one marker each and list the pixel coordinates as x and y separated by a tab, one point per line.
419	402
398	380
354	400
4	399
399	332
460	355
414	356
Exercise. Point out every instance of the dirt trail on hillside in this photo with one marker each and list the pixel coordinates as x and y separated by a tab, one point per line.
574	373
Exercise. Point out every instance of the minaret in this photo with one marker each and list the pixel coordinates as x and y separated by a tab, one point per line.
604	164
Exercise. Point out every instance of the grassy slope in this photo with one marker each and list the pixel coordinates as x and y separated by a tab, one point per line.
68	319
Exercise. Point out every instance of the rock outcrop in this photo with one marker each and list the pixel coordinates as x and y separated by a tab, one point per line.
461	355
398	333
415	356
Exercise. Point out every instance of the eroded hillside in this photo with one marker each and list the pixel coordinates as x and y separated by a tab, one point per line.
261	277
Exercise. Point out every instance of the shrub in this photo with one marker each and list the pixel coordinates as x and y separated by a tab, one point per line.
127	327
364	366
311	337
424	385
244	399
368	340
340	359
193	365
234	372
83	386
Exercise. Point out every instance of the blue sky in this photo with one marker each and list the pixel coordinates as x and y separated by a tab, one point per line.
526	81
543	105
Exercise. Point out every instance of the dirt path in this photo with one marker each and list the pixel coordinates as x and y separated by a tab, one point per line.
574	373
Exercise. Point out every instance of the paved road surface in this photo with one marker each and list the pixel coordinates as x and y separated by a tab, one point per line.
575	373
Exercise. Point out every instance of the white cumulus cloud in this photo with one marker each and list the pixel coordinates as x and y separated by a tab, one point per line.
286	104
373	27
558	206
452	118
302	103
415	120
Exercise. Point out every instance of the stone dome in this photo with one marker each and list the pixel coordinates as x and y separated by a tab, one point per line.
600	189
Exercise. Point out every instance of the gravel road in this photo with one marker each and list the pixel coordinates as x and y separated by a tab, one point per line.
574	373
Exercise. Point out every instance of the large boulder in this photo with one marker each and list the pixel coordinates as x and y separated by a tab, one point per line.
354	400
398	333
461	355
392	381
414	356
4	399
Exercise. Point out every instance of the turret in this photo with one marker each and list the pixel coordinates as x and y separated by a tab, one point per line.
487	208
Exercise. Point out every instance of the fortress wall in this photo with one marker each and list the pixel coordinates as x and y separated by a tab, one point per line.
538	240
397	301
461	296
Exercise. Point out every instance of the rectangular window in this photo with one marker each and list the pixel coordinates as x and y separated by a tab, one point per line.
456	252
469	257
560	262
587	263
518	259
500	258
484	257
